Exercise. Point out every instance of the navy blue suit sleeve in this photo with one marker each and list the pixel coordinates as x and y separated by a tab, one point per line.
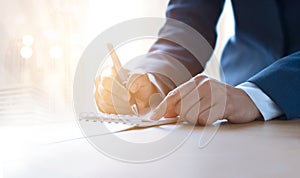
201	15
281	82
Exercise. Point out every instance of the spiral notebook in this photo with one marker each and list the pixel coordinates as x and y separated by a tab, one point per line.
133	120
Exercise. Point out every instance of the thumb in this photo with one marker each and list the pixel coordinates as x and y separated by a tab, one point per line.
141	88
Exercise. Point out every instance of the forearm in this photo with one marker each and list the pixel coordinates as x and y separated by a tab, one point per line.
281	82
183	48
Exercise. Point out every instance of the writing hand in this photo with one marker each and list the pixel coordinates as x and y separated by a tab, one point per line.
113	97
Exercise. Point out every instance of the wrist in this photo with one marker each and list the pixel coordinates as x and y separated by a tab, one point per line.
239	107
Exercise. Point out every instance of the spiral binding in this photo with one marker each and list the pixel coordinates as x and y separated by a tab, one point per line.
140	121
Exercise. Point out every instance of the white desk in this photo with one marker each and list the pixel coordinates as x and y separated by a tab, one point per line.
258	149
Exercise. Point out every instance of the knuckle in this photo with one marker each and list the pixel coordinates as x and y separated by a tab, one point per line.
171	99
199	78
136	78
206	83
172	95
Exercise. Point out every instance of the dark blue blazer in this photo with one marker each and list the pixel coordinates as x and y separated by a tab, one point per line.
264	50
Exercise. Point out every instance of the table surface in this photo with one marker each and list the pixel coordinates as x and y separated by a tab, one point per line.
257	149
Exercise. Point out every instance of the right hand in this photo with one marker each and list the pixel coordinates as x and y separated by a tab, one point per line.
113	97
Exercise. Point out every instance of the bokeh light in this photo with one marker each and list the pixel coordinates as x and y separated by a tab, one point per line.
27	40
26	52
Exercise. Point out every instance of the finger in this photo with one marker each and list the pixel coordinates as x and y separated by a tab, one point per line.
210	115
107	77
102	106
196	109
110	82
141	87
121	93
193	99
97	80
155	100
121	106
106	107
146	97
187	102
143	111
171	114
145	107
111	109
172	99
104	97
106	82
143	91
112	98
104	73
199	98
192	114
135	81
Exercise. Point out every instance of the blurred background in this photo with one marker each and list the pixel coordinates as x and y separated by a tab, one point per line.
42	41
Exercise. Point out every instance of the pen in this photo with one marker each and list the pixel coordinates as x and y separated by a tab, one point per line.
123	75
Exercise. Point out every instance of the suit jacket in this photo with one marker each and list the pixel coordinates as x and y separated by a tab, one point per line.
264	50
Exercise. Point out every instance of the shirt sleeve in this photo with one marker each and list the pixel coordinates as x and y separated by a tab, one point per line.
263	102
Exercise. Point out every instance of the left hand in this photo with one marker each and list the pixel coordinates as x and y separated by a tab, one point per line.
205	100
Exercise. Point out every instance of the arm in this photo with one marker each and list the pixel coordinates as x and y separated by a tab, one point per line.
268	109
281	82
169	58
169	62
204	100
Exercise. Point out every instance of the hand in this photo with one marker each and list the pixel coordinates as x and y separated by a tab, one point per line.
113	97
205	101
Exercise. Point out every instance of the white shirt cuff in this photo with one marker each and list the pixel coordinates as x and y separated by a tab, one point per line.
263	102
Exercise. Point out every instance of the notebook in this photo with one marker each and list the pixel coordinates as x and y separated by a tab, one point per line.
133	120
